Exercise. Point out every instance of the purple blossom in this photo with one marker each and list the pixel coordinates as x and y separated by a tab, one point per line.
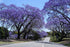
42	33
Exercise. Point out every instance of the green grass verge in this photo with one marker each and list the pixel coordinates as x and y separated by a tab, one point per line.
66	42
2	42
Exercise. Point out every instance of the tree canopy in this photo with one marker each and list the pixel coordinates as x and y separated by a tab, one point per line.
21	18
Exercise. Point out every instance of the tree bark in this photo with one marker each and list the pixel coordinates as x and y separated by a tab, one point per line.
18	37
24	37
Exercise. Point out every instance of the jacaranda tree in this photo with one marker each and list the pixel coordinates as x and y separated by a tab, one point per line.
58	12
21	19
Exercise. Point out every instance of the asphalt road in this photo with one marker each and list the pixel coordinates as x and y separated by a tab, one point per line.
44	43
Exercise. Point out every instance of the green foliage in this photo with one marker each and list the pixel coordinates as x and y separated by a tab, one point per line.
67	44
56	36
49	33
36	36
3	33
55	39
15	32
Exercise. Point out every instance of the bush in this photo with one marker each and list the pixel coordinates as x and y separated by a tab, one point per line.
3	33
49	33
55	39
36	36
56	36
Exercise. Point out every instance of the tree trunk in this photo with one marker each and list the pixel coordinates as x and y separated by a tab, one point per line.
24	35
18	35
62	35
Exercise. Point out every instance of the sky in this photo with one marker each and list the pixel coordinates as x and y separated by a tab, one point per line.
35	3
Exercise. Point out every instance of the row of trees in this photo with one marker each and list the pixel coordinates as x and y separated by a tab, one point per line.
33	35
22	19
59	16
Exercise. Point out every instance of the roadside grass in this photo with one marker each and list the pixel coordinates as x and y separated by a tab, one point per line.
4	42
66	42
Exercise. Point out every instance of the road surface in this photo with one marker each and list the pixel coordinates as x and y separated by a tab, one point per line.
44	43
